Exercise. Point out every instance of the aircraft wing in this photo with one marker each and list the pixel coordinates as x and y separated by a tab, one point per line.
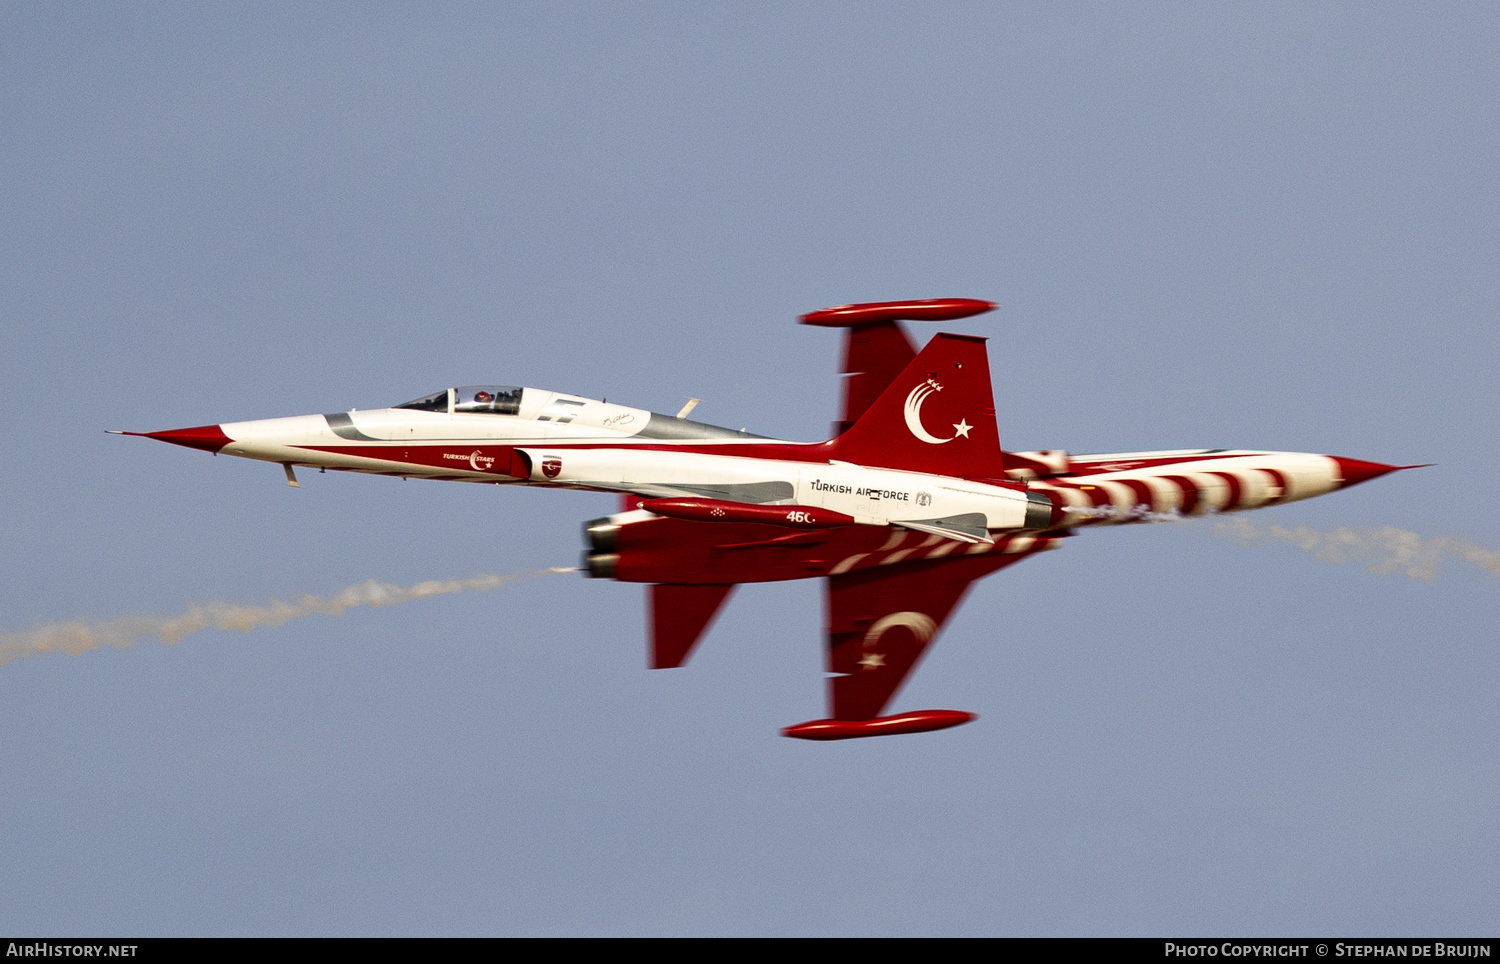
874	354
876	349
880	622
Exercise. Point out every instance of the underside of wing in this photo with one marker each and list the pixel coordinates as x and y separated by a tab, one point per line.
874	354
880	622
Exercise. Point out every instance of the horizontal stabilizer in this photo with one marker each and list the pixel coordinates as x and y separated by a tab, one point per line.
679	617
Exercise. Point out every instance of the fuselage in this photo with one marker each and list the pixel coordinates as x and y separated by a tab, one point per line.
548	438
525	436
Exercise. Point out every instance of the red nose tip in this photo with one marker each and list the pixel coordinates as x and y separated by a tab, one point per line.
1354	471
209	438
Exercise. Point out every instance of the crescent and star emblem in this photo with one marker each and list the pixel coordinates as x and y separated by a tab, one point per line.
914	415
921	625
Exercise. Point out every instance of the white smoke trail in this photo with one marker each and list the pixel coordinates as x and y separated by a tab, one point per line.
78	636
1136	513
1384	550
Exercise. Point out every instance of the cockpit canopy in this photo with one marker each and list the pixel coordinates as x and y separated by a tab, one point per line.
470	399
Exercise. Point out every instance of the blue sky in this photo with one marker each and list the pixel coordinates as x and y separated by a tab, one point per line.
1268	225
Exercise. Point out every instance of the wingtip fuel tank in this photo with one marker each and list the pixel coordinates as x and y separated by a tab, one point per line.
917	721
930	309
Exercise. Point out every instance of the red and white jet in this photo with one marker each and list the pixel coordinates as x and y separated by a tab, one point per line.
910	503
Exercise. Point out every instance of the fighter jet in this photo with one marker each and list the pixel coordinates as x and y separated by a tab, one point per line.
911	502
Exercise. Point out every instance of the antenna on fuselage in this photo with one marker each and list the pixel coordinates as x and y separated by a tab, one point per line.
692	403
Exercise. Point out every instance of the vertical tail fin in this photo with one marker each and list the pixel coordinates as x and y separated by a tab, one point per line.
937	416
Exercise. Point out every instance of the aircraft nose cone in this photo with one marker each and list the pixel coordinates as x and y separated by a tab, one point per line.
209	438
1355	471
